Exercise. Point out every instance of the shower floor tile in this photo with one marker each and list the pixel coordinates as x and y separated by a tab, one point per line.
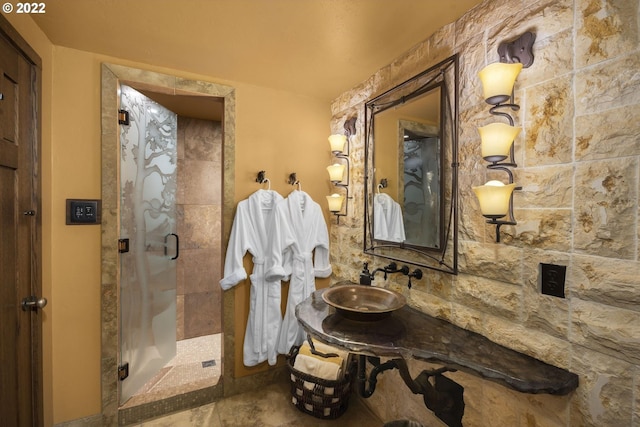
185	372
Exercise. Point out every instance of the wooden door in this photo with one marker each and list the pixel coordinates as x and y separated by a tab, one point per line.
20	327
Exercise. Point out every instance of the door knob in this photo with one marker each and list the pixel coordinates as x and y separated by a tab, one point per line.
33	303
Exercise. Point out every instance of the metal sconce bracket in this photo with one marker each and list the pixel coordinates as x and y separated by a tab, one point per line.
504	166
350	126
345	186
511	221
519	50
495	111
346	202
349	130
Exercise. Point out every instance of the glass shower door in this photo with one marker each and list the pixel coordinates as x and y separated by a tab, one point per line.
149	244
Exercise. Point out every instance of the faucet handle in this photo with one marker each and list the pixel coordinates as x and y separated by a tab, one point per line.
417	273
365	275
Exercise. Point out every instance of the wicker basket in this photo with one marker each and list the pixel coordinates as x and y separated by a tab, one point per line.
315	396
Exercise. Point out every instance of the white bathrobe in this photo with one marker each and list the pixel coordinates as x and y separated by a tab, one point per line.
387	219
254	216
299	230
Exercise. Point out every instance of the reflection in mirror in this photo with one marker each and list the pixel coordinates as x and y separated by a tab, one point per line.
411	144
419	149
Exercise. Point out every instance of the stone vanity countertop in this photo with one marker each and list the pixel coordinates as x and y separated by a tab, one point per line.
408	332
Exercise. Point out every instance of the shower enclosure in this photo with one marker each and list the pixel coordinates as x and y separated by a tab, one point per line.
148	243
200	221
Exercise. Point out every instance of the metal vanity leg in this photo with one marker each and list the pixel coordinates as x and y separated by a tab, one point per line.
444	398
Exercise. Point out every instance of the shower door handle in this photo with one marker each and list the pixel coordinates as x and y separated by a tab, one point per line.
177	245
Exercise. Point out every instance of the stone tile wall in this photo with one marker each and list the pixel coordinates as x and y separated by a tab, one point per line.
579	160
199	199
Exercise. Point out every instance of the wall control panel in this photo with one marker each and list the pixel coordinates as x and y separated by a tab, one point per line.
84	211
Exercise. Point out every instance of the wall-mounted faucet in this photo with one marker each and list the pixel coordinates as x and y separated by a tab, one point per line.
366	276
393	268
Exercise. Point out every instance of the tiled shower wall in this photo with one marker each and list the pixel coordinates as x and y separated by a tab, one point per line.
578	162
199	306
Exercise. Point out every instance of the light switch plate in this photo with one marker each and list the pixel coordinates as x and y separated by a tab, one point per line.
84	211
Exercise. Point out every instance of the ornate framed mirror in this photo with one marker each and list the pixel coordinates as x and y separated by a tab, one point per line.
411	170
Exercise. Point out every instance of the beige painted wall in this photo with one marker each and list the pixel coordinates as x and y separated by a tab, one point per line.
275	131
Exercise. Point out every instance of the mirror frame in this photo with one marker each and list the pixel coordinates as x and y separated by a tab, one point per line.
443	75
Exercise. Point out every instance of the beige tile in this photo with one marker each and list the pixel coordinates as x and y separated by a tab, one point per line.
199	226
200	269
185	372
199	182
203	416
202	314
180	317
605	198
271	406
203	140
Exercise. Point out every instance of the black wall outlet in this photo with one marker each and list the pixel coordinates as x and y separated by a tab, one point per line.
552	279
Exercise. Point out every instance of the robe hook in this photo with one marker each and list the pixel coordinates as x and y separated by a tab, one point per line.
383	184
262	179
293	180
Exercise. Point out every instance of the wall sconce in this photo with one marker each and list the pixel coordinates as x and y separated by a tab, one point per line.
498	81
337	143
335	202
497	142
494	198
337	170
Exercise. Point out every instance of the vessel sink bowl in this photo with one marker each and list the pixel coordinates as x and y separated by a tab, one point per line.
364	303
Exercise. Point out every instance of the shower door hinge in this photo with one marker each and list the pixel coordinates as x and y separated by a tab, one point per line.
123	245
123	372
123	117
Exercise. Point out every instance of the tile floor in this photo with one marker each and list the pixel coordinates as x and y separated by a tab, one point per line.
267	407
196	365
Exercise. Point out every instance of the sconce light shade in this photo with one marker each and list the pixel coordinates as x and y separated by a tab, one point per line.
497	139
494	198
498	80
336	172
337	142
335	202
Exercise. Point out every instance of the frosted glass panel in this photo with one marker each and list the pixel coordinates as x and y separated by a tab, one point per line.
422	190
148	219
